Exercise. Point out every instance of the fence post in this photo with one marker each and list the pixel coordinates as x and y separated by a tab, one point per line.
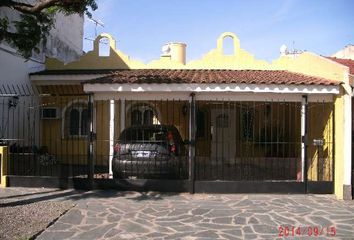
90	139
304	140
192	130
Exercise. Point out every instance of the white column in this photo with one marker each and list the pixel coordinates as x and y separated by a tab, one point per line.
303	135
347	140
111	136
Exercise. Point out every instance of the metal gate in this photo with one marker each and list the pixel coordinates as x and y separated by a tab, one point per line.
248	141
242	143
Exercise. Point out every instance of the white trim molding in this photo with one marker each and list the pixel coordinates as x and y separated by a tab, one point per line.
303	134
66	79
175	87
218	96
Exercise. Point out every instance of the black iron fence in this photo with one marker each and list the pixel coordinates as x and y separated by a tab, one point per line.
49	134
45	131
251	141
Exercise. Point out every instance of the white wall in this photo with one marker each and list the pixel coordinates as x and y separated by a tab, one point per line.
14	120
345	53
14	68
65	43
66	38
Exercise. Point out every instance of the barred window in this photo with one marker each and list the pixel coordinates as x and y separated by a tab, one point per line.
143	115
77	120
136	117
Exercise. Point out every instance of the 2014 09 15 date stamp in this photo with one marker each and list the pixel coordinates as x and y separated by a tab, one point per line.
309	231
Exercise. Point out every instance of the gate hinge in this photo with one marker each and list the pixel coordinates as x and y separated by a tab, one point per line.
304	139
92	136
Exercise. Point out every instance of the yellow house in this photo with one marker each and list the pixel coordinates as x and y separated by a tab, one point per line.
252	125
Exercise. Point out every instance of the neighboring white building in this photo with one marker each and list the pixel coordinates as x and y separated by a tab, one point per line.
64	42
345	53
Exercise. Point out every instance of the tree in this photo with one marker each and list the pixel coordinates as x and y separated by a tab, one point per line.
36	20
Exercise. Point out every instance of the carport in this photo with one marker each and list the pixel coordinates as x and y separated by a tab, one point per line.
248	130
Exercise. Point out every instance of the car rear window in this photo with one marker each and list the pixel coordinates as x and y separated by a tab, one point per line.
143	135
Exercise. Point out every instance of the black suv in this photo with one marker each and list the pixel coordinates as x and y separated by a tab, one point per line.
149	151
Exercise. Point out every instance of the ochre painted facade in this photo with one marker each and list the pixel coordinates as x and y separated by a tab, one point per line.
307	63
339	143
320	128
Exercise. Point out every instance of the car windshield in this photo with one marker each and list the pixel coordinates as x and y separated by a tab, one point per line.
143	135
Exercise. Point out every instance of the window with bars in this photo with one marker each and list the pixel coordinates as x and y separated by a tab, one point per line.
77	120
142	115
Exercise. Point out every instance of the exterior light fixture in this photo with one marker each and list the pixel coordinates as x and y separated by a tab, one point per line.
13	101
184	109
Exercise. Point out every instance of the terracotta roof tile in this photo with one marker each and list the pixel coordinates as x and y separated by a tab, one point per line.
346	62
139	76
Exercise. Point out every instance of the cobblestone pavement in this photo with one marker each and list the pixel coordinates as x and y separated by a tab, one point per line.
133	215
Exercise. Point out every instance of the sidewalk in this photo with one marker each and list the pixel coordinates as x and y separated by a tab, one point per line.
132	215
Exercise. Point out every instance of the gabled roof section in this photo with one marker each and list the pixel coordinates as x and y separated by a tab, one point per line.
200	76
346	62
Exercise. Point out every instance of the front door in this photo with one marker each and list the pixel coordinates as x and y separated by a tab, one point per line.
223	135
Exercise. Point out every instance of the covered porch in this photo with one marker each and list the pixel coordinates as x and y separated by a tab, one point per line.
247	130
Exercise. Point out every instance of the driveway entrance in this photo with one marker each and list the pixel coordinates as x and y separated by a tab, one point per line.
151	215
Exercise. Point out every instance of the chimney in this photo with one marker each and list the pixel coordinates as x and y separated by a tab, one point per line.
175	51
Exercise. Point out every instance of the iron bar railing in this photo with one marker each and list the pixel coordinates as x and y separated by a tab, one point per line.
47	134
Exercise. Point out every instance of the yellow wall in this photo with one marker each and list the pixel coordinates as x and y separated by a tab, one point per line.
102	129
306	63
93	60
3	166
69	149
320	126
310	64
66	149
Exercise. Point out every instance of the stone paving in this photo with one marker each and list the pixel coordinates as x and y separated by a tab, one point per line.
132	215
151	215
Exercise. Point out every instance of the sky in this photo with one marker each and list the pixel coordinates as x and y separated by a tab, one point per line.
142	27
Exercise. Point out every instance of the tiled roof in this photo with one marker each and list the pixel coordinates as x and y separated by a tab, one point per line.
346	62
200	76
